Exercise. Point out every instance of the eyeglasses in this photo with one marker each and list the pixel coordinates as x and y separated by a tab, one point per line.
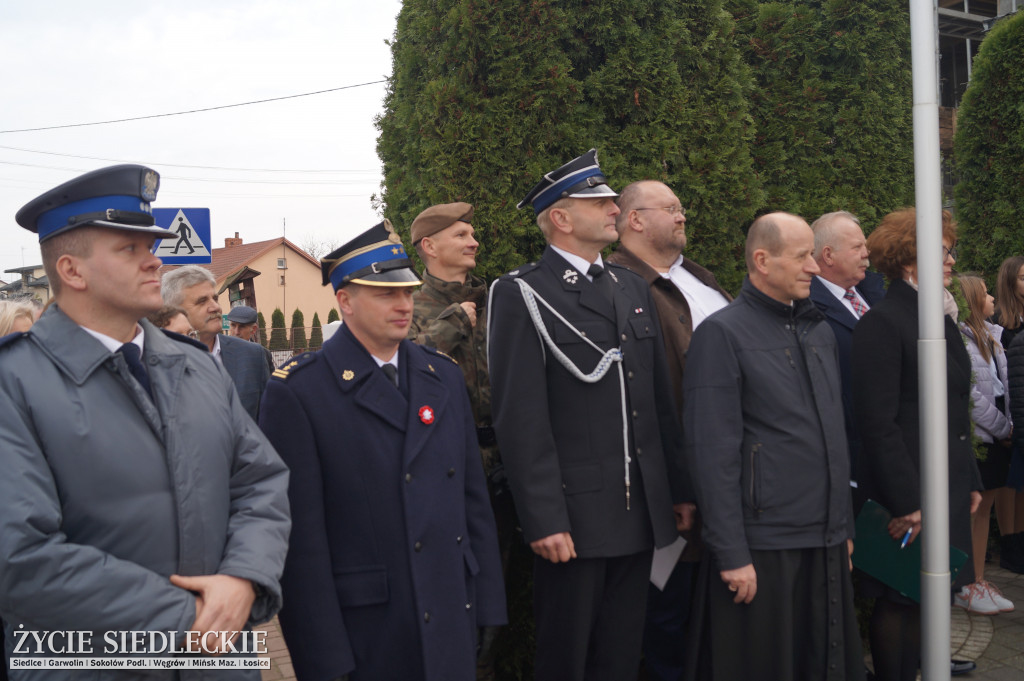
949	253
671	210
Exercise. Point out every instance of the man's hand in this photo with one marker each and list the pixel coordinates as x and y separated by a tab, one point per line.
685	515
223	602
558	548
743	581
898	526
975	501
849	552
470	309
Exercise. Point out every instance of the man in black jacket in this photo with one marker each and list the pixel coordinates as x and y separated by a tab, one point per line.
763	423
583	412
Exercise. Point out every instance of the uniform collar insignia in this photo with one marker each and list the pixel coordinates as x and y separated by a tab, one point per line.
347	375
571	276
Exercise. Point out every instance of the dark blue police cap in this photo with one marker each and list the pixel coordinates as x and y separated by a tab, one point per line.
117	197
374	258
580	178
242	314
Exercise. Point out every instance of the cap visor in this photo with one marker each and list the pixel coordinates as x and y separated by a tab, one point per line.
595	192
158	232
403	276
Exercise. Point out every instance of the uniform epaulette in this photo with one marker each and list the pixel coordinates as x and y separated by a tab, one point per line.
443	354
521	270
185	339
11	337
293	365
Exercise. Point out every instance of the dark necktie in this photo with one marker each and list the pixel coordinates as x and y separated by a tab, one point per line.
391	372
602	282
132	355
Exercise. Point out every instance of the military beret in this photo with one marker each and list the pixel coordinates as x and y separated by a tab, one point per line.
434	219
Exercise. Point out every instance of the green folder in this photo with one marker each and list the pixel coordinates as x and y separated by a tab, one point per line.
879	555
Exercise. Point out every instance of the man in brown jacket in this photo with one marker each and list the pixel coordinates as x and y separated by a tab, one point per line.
652	235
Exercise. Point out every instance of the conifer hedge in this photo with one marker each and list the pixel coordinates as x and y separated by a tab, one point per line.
278	335
316	335
298	330
261	323
831	104
989	149
485	97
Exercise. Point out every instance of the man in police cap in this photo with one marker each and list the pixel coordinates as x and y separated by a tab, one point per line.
137	495
584	417
242	324
393	565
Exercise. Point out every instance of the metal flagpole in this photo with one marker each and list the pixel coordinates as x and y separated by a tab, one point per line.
935	576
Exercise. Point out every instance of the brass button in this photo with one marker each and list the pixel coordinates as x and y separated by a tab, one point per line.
417	547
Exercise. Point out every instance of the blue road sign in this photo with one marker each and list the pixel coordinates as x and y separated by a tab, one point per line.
192	245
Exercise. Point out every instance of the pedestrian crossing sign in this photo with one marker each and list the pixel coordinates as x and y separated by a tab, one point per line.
192	245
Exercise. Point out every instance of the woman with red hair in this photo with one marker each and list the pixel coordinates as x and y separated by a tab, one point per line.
886	403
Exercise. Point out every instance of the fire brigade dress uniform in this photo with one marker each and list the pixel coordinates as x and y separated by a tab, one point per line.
596	455
393	564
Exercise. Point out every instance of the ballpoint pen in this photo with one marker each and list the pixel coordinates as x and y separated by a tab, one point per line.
906	537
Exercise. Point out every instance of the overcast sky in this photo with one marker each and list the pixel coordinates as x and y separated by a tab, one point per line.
67	61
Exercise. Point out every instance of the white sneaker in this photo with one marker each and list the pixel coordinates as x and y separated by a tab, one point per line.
1002	602
975	598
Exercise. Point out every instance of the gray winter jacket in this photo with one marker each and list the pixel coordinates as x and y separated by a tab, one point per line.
103	495
764	429
990	424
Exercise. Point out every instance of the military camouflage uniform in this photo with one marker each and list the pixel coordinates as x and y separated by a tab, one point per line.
439	321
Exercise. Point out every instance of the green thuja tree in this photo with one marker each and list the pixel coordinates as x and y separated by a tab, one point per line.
989	151
316	335
261	324
298	331
333	316
831	104
485	98
278	335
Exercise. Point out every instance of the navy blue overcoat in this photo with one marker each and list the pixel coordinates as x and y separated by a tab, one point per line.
393	561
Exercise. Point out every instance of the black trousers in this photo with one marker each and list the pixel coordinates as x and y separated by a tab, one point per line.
590	617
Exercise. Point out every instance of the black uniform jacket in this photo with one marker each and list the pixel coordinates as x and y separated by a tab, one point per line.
562	438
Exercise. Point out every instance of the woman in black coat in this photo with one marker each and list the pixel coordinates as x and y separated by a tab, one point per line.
886	406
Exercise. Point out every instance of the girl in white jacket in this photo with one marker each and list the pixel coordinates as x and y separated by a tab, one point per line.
990	413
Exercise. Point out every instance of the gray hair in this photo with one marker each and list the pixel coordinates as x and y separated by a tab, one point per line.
824	228
174	283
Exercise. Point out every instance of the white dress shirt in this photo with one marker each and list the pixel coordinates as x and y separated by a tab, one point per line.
703	299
